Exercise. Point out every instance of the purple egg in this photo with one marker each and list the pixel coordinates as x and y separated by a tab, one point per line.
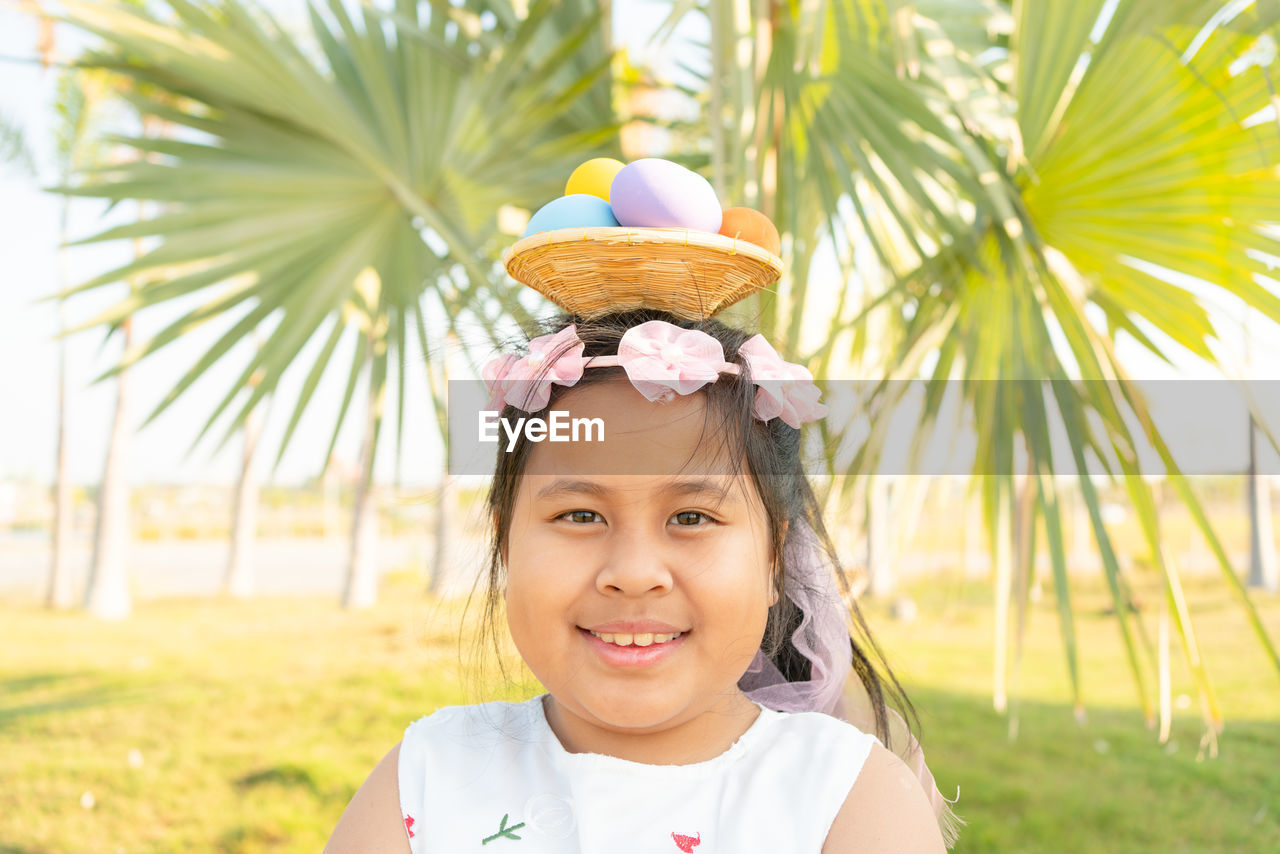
657	193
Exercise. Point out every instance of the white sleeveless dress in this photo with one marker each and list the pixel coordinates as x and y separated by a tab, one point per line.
494	778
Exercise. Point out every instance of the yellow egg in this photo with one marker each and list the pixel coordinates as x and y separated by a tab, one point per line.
594	178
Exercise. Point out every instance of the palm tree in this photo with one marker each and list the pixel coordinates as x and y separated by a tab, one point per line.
371	154
76	146
447	495
107	594
239	580
79	97
360	589
1003	211
1264	571
71	137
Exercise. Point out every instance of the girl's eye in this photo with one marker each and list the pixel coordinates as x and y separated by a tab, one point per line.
579	514
686	518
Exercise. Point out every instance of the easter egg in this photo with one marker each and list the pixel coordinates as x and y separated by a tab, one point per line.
657	193
752	226
594	177
577	211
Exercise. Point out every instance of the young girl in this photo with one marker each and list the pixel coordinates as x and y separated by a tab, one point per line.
671	584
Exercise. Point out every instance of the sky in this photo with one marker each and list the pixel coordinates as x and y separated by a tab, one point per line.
161	452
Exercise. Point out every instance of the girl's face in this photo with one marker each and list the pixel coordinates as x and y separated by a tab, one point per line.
679	546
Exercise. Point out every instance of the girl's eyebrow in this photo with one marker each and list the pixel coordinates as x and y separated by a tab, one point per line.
564	486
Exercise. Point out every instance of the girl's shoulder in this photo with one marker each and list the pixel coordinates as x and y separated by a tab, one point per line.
811	746
819	727
455	750
506	716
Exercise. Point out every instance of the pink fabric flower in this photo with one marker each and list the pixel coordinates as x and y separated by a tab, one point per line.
526	382
663	360
783	389
495	374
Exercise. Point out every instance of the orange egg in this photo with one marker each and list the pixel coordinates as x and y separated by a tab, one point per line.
751	226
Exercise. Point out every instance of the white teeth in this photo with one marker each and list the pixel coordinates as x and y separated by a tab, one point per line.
643	639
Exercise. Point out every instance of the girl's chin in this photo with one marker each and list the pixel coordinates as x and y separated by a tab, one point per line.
637	712
640	721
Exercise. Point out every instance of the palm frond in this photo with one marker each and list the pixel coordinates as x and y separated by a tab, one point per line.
379	151
1131	169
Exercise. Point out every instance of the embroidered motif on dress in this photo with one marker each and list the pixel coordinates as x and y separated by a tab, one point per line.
686	843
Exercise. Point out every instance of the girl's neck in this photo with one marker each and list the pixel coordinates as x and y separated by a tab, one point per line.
699	739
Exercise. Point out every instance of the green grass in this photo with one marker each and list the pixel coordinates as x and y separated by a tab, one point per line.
256	722
1106	785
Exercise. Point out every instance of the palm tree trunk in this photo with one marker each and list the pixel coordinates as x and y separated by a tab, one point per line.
239	580
331	489
107	592
1024	541
720	66
1263	574
446	521
1023	577
1003	548
361	588
765	146
58	596
1081	545
880	572
447	500
1162	669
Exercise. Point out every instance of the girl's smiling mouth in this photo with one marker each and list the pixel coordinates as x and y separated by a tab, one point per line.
628	649
636	639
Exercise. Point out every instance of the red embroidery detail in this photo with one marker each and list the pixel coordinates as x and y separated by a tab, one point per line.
408	825
686	843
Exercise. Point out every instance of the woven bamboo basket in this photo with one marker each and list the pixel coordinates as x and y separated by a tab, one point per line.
593	271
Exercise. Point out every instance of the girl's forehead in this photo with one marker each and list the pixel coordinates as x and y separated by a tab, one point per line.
609	428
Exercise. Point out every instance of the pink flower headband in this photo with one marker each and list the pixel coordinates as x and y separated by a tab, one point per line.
661	360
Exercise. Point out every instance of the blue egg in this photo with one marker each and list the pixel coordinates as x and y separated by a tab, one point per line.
576	211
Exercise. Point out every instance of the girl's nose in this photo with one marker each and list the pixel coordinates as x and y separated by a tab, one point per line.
634	566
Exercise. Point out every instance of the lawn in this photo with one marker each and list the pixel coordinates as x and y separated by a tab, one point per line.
246	726
1106	785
